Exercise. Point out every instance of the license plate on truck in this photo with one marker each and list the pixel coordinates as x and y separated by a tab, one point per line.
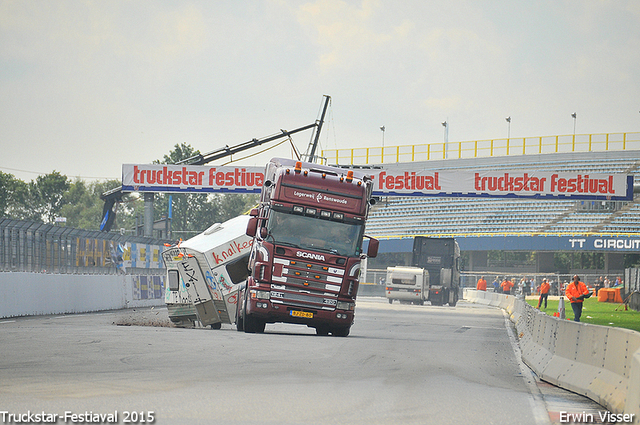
296	313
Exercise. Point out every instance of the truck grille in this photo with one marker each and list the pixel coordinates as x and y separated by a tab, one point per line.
305	284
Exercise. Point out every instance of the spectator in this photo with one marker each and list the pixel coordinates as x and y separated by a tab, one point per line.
576	293
496	284
482	284
599	284
521	286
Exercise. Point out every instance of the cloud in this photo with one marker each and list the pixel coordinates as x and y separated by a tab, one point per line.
347	34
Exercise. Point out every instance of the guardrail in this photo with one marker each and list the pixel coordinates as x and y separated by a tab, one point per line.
485	148
598	362
27	246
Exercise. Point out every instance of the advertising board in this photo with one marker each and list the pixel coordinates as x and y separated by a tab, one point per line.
393	182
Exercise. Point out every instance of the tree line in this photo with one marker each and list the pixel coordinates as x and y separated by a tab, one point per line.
55	195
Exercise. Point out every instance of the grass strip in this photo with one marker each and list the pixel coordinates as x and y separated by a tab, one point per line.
597	313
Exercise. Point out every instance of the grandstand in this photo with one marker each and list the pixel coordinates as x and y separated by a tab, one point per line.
544	226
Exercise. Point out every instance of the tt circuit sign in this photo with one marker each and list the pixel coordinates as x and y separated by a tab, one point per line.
396	182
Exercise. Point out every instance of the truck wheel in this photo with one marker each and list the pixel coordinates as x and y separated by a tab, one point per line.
453	298
216	325
322	331
239	320
341	331
390	301
253	325
239	324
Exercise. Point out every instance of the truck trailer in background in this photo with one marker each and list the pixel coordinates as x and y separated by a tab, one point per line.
441	258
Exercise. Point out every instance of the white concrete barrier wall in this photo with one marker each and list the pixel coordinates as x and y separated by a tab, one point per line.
28	294
599	362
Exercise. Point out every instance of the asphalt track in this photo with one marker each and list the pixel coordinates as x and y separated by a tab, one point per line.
402	364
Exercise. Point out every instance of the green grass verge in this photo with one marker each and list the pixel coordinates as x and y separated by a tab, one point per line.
597	313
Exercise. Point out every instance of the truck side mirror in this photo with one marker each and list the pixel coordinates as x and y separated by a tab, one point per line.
372	249
263	232
252	226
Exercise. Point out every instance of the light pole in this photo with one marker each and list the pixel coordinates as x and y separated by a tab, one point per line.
446	137
382	154
574	115
508	119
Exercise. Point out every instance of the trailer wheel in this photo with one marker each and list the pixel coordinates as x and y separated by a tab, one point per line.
341	331
216	325
390	301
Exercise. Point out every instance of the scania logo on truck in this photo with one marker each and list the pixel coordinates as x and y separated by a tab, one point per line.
310	256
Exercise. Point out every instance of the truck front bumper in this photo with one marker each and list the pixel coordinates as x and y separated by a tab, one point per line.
272	312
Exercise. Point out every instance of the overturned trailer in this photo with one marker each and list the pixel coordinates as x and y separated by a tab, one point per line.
204	273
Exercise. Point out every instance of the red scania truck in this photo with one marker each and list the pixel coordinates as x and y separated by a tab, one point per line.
305	261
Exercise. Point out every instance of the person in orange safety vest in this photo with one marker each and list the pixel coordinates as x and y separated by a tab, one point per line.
482	284
544	293
506	286
576	292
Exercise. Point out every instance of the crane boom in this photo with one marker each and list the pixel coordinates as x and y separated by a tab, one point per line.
113	196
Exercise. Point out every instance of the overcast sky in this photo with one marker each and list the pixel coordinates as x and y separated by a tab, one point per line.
86	86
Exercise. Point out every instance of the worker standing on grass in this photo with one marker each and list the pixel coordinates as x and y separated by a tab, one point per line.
576	292
482	284
544	293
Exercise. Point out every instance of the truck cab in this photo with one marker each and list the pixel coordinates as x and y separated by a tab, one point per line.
308	232
441	257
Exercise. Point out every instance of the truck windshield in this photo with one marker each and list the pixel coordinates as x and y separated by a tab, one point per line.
315	234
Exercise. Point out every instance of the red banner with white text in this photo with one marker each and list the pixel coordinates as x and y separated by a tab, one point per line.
392	182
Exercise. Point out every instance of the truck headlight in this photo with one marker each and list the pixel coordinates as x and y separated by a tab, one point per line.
342	305
260	295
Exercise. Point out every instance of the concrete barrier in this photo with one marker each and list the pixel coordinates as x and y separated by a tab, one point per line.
371	290
28	294
599	362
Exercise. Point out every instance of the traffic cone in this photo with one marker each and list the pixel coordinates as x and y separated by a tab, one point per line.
561	313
